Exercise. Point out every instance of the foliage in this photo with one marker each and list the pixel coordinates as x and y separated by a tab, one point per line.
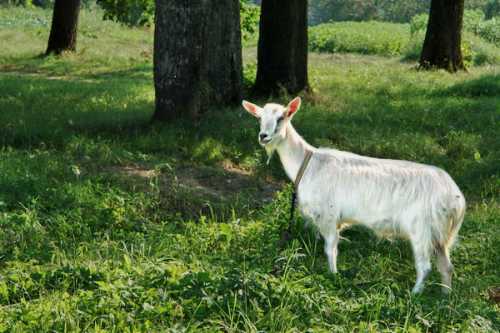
492	9
360	37
104	230
360	10
490	30
25	3
476	38
471	19
141	12
131	12
322	11
418	23
393	39
250	16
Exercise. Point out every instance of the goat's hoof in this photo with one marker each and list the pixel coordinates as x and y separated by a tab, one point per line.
417	290
446	291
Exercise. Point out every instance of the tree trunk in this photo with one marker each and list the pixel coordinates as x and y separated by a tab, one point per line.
443	39
64	26
282	54
197	56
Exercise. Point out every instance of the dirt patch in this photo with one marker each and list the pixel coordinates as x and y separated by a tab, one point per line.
193	190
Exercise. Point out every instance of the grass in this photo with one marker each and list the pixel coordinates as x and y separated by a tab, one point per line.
111	224
393	39
382	38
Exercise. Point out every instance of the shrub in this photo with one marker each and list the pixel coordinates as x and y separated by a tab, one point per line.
490	30
492	9
250	15
471	21
418	23
359	37
321	11
130	12
25	3
476	39
141	12
472	18
475	51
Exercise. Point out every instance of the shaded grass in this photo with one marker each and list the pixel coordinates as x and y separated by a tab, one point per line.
87	245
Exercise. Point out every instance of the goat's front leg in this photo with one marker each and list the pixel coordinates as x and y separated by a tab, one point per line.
331	243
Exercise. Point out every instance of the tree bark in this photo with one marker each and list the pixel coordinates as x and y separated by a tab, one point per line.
443	39
64	26
282	53
197	56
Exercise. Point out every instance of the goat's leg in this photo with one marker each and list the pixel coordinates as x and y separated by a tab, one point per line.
331	243
422	265
445	267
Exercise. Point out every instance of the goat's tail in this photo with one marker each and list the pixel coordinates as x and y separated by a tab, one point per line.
455	222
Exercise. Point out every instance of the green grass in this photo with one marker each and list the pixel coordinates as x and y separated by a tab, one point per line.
392	39
110	224
372	37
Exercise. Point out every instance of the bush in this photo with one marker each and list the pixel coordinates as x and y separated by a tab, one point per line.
321	11
359	37
250	15
475	51
476	39
141	13
418	23
25	3
490	30
492	9
130	12
472	19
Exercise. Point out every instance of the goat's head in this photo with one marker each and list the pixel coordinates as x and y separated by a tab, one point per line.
274	119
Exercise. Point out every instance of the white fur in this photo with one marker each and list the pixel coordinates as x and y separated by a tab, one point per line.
392	197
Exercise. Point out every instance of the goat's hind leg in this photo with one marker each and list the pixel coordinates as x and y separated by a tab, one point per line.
331	244
422	264
445	267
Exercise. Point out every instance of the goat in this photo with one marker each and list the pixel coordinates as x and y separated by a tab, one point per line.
391	197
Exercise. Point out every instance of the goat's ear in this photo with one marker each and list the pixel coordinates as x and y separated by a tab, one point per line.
293	106
253	109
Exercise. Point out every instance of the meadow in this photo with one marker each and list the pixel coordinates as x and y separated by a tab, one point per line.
109	223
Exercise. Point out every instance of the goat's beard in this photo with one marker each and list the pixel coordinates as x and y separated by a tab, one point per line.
270	149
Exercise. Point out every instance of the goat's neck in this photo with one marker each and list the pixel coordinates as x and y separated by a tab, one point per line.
292	151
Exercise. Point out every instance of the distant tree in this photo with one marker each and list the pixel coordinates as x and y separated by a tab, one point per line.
443	38
63	31
197	56
321	11
282	50
492	9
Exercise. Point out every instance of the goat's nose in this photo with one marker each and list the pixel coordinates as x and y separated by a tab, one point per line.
262	136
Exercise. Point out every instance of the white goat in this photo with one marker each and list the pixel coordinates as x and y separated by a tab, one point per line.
411	200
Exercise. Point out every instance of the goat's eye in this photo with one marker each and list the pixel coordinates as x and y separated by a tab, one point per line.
280	119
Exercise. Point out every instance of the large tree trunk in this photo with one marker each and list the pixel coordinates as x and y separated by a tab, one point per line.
64	25
282	54
443	39
197	56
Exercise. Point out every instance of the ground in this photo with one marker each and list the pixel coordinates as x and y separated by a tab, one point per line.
110	223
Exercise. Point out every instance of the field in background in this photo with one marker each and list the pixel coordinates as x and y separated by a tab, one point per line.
111	224
401	39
